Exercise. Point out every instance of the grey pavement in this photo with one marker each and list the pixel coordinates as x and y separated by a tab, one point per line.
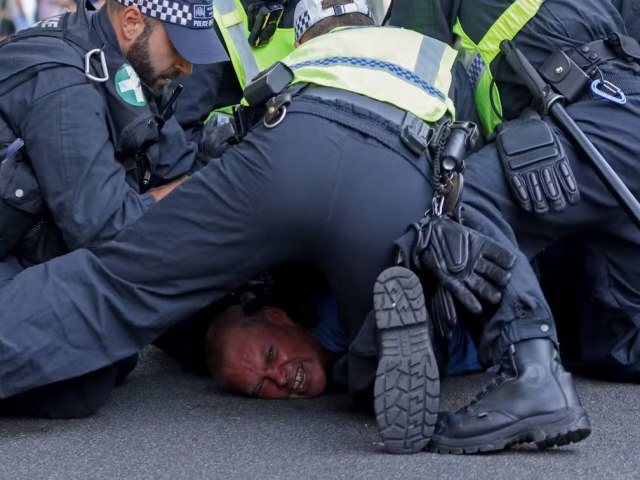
168	423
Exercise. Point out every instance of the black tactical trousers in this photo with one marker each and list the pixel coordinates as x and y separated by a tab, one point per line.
605	239
77	397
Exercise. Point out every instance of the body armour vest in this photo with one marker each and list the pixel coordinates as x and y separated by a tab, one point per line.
132	119
367	61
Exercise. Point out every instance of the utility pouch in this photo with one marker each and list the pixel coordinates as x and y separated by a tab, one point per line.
20	198
565	76
536	166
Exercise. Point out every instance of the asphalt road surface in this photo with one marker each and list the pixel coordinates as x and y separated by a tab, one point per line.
167	423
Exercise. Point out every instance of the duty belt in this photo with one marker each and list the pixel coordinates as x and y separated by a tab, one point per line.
576	75
615	46
414	132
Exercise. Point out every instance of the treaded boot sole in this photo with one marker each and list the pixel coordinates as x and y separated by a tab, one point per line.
407	386
555	429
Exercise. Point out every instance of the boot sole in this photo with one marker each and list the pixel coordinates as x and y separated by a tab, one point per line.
407	386
555	429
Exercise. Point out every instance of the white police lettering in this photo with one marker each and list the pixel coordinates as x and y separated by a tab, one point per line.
202	16
132	84
202	23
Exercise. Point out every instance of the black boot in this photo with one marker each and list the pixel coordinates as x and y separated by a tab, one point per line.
531	400
407	386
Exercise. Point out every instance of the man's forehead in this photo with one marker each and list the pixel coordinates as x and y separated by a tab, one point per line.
243	353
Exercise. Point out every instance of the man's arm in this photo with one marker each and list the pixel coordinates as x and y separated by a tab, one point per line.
67	139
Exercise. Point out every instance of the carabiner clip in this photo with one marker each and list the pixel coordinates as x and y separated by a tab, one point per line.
87	65
609	91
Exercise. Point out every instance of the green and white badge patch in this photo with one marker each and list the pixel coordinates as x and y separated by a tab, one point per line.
128	86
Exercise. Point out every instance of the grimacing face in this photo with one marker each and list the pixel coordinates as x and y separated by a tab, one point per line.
271	358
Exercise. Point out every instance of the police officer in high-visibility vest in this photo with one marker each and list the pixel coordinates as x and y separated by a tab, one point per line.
86	147
256	34
583	51
332	174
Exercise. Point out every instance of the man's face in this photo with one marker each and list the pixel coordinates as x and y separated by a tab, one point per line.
272	358
155	59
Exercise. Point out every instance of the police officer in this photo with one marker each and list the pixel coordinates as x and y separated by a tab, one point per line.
598	54
330	177
90	147
256	33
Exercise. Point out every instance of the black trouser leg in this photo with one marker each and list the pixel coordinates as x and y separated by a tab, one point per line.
77	397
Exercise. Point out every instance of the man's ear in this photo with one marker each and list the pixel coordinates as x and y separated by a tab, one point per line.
131	24
277	316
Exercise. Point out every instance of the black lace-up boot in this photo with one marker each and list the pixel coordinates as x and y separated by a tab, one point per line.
407	383
531	400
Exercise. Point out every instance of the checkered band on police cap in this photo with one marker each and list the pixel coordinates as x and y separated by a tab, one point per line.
184	13
310	12
189	25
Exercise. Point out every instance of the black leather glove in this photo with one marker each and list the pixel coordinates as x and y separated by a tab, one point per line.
470	266
536	166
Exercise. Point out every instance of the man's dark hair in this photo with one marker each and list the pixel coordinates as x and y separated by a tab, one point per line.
327	24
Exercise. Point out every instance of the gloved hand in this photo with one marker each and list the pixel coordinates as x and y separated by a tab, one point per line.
536	166
216	135
471	267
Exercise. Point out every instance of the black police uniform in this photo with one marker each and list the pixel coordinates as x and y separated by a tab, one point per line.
295	285
327	187
610	311
83	159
